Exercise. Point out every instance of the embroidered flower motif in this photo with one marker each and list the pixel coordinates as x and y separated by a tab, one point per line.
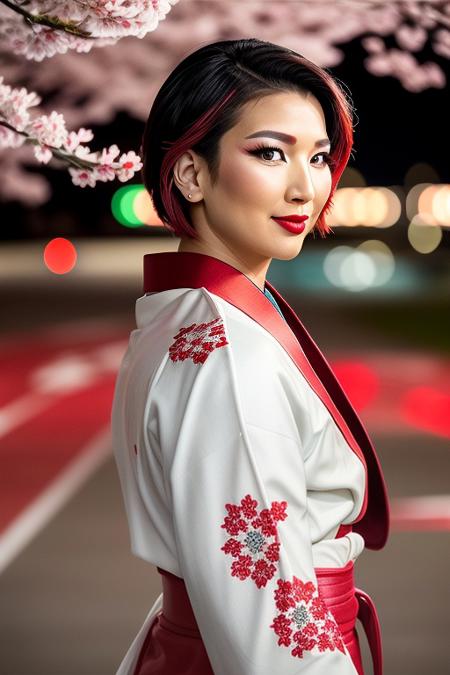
197	341
305	620
254	542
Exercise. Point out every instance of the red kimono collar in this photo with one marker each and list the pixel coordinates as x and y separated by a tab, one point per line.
177	269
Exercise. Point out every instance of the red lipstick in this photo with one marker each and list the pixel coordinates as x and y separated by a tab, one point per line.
294	224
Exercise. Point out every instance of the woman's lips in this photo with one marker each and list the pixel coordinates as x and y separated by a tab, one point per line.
295	228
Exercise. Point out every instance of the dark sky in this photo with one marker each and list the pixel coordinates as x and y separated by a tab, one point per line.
396	129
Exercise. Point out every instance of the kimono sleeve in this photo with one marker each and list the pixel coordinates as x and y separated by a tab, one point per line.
237	494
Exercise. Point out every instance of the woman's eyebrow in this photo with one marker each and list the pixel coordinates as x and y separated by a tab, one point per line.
287	138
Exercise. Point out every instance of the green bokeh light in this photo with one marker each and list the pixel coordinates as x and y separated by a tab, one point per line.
122	205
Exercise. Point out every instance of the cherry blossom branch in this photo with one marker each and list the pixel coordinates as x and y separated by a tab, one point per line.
53	22
68	25
50	138
56	152
77	25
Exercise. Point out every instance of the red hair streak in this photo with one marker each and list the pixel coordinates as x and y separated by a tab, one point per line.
176	149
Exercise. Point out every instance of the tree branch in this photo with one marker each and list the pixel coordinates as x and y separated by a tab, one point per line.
45	20
71	159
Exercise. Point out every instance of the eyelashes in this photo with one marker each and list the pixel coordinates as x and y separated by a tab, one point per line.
267	148
327	158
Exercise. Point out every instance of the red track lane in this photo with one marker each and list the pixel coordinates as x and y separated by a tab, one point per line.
21	355
36	450
34	454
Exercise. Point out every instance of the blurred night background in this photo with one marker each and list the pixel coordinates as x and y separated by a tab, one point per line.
374	294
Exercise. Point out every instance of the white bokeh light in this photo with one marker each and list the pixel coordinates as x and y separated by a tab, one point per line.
333	261
357	271
383	259
371	264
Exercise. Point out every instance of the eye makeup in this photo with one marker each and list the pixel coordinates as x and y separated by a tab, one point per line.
258	150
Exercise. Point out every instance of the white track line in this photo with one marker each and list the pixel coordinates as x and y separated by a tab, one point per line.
22	409
67	373
36	516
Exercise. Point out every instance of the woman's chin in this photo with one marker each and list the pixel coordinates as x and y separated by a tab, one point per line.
289	250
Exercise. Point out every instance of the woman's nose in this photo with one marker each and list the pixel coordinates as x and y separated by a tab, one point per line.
302	186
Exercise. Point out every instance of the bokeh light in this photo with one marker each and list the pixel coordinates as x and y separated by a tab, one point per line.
122	205
431	202
359	381
425	204
370	264
144	209
352	177
60	255
365	206
420	172
412	199
132	207
383	259
434	203
332	263
427	408
357	271
423	236
441	205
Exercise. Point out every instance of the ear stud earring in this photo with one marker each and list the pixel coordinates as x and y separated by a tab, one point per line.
189	195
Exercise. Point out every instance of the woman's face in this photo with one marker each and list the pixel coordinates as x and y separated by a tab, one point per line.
291	176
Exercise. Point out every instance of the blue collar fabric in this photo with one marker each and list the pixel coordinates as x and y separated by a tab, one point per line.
269	295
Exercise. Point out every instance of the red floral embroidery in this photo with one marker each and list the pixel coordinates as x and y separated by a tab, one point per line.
304	611
254	542
198	340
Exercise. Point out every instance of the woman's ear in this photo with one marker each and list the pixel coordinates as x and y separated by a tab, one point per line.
187	175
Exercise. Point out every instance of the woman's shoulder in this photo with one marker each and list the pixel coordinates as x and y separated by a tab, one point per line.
210	353
197	310
183	331
164	307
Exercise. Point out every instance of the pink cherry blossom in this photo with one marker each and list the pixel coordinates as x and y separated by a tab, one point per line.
50	138
49	130
77	26
130	163
43	154
82	177
74	138
412	38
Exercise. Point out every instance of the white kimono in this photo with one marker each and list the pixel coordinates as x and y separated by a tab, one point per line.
235	478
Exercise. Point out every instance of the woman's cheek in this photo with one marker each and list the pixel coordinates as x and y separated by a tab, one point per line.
325	189
245	179
233	177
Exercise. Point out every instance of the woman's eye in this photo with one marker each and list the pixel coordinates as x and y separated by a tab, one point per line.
326	157
265	150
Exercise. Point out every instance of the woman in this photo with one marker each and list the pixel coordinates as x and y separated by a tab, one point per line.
248	479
